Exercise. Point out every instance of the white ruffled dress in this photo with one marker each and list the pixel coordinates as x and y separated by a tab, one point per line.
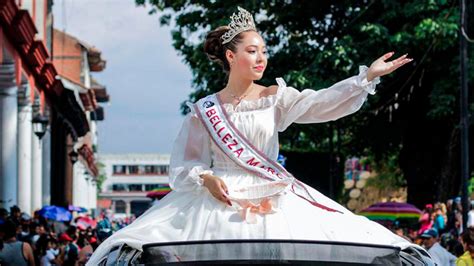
190	212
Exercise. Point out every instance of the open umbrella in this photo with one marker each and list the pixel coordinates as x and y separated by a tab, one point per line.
56	213
159	192
391	211
85	221
72	208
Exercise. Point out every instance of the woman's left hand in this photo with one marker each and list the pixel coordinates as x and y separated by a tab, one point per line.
379	67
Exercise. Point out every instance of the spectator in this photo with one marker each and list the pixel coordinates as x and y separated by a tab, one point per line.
3	214
71	251
14	252
47	250
468	245
438	218
104	227
15	214
425	219
439	254
470	216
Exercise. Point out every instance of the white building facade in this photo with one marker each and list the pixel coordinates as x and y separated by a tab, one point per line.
129	178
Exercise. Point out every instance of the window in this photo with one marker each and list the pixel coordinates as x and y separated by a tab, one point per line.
120	206
163	169
119	187
151	169
133	169
141	169
149	187
135	187
119	169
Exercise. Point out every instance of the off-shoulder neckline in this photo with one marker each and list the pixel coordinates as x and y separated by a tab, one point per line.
280	86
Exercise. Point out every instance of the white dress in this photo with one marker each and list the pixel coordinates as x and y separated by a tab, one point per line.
190	212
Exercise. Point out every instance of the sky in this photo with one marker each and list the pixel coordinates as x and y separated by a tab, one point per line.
144	76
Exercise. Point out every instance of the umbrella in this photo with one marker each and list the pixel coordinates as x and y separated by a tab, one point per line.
73	208
85	222
159	192
391	211
56	213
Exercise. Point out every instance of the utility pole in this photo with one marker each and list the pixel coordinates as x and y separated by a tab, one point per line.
464	123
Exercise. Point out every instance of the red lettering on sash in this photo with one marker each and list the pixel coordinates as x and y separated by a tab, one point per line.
252	162
210	112
239	151
271	170
217	123
232	144
226	137
216	117
220	130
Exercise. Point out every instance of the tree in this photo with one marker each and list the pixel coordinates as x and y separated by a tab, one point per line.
317	43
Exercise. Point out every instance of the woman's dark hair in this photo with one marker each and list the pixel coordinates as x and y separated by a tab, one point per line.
214	48
467	238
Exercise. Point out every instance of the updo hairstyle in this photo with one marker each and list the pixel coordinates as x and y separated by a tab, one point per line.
214	48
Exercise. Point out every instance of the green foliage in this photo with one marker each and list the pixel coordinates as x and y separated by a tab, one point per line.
101	177
314	44
389	174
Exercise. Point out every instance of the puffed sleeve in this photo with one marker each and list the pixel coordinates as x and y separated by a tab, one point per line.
310	106
191	155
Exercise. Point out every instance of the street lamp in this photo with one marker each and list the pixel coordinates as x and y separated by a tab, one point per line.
73	156
40	123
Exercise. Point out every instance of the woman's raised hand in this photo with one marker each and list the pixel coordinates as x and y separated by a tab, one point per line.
217	187
379	67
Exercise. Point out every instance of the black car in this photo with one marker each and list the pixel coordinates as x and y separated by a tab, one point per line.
289	252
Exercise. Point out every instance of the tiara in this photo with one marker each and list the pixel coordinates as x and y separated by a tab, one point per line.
240	22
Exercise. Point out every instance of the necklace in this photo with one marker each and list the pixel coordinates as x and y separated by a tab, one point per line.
238	98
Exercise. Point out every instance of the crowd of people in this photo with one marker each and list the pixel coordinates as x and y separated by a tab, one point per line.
440	230
26	240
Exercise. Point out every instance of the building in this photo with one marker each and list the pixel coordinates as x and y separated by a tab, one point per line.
128	180
45	125
75	60
29	93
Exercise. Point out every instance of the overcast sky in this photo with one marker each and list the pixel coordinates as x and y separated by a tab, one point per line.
144	77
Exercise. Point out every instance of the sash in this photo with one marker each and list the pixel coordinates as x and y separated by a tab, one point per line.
241	151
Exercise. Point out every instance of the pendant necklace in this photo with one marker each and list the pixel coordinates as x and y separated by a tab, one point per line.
238	98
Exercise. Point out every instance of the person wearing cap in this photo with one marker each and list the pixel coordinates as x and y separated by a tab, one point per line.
439	254
71	251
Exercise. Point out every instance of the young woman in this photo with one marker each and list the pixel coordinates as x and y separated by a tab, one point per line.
225	182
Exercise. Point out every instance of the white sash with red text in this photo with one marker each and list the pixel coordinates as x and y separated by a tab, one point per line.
229	139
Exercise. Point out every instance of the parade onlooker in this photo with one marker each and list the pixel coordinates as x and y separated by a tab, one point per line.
14	252
47	250
439	254
468	245
470	216
15	214
104	227
438	218
425	219
71	250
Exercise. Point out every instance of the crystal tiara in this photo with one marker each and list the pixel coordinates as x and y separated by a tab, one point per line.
239	22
